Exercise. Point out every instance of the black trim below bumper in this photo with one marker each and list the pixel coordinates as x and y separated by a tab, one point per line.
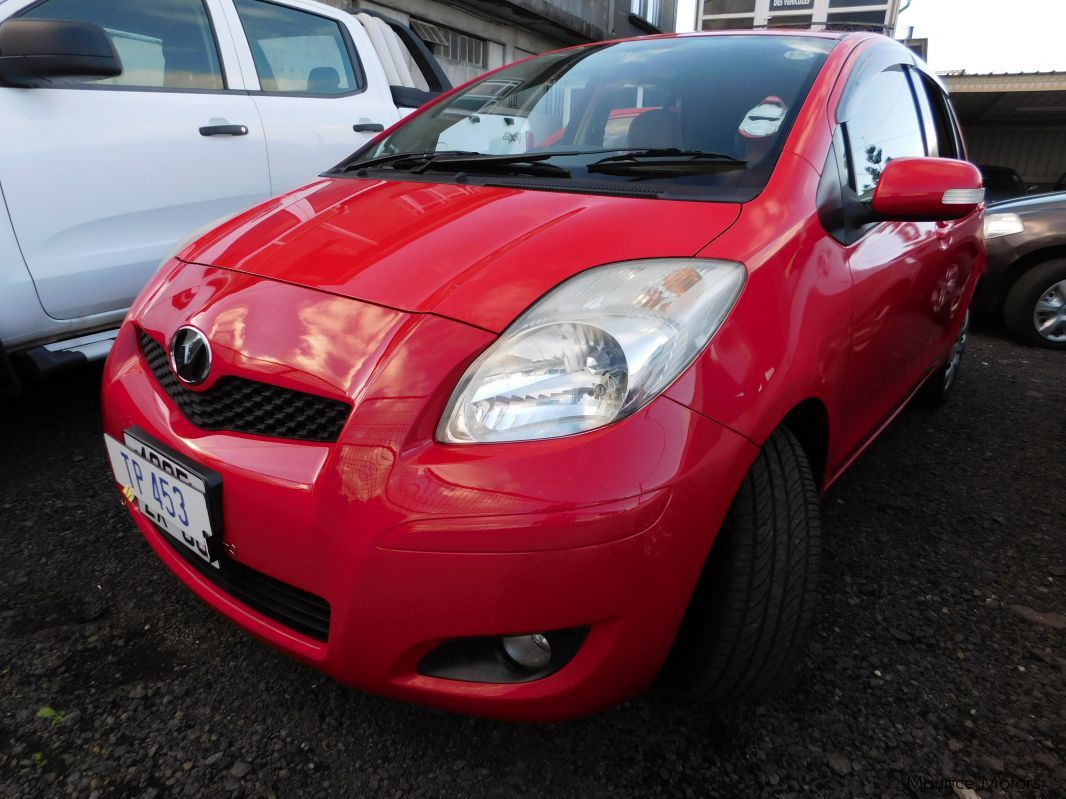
291	607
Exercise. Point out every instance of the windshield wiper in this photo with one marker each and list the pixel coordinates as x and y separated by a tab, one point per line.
396	159
524	163
666	159
461	160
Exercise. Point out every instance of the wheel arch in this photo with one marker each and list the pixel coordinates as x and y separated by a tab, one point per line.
809	422
1013	273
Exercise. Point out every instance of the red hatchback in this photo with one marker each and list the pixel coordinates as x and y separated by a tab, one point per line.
529	403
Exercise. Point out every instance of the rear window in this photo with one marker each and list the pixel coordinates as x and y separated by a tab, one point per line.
296	52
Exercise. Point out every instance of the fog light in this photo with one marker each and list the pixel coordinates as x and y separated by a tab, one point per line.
497	658
529	652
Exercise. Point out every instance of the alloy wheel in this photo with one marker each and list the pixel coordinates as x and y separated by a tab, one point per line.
1049	313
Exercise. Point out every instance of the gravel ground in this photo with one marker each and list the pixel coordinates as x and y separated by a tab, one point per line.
938	652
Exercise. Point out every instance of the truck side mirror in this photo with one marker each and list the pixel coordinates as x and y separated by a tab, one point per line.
33	52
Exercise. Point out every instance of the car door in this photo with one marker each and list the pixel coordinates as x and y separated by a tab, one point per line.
103	178
317	98
961	240
897	267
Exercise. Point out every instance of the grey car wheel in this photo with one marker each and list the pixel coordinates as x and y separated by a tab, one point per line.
1035	308
1049	315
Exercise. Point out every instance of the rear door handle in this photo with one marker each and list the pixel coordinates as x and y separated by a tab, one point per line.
224	130
368	127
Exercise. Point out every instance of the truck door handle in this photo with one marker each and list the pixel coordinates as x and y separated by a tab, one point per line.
224	130
368	127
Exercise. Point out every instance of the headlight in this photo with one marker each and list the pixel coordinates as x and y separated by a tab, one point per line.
595	349
997	225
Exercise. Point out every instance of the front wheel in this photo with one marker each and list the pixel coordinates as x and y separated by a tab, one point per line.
751	610
1035	308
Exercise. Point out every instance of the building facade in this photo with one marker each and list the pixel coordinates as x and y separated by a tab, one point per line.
473	36
879	15
1014	120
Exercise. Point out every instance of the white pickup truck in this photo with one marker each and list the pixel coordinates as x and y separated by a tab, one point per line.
125	125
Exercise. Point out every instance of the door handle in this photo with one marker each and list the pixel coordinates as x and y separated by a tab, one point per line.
944	231
368	127
224	130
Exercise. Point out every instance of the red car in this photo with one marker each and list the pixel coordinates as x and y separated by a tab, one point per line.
499	417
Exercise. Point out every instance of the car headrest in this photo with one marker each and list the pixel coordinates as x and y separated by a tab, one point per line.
323	80
654	129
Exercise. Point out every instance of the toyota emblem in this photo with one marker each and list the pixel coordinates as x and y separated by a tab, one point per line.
190	355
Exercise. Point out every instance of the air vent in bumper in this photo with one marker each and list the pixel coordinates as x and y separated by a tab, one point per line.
295	608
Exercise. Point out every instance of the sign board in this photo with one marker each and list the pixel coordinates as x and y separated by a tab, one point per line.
793	5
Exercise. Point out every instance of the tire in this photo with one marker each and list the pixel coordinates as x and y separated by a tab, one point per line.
1041	289
937	388
752	608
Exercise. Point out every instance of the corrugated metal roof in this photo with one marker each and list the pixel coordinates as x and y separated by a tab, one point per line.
1004	81
1008	98
1015	119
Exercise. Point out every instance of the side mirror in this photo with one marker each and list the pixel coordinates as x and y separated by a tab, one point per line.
928	189
33	52
406	97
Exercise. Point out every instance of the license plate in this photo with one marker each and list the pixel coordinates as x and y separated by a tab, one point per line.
168	491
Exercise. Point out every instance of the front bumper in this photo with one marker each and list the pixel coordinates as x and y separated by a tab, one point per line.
413	543
996	280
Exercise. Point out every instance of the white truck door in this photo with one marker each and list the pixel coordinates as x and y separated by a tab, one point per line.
319	88
102	178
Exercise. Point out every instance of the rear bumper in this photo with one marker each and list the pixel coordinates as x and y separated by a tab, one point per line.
413	544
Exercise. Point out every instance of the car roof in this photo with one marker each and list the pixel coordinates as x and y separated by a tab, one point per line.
790	33
767	32
851	36
1031	201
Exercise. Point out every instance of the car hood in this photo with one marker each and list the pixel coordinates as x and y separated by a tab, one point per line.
476	254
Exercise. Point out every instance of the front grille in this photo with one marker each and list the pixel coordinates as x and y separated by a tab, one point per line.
248	406
295	608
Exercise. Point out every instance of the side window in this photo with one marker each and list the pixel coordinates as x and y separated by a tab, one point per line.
925	113
940	130
296	52
162	45
884	126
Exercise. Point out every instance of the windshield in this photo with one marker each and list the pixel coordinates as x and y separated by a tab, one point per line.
689	116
